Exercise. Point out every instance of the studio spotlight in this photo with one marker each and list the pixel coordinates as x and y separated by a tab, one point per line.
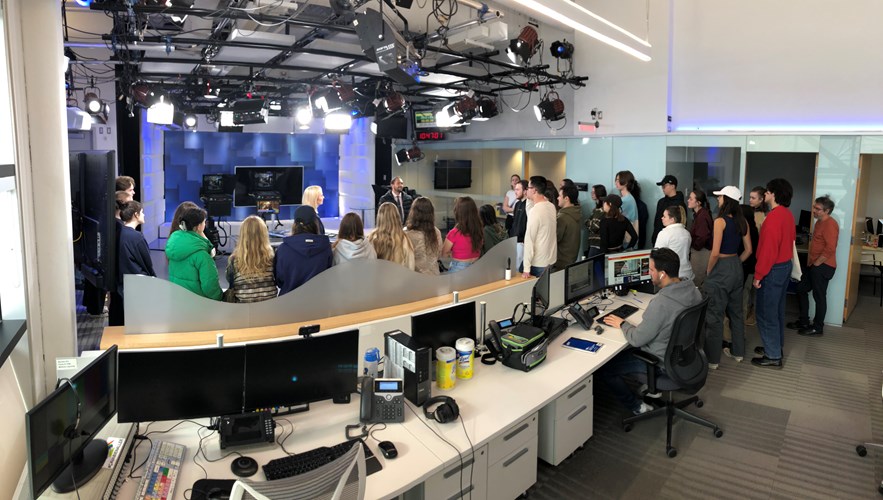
93	103
409	155
561	49
303	116
394	102
550	108
338	122
458	112
190	121
486	109
209	92
525	46
161	113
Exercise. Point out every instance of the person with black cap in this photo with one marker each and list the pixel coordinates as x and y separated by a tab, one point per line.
615	225
669	185
304	254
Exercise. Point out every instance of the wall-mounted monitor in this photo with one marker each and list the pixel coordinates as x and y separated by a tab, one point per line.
424	119
453	174
253	183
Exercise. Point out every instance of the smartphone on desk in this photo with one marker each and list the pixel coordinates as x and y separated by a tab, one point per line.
582	344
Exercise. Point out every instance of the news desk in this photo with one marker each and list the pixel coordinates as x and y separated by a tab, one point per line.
511	418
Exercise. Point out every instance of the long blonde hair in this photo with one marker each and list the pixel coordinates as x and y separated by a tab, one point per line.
253	253
311	196
388	237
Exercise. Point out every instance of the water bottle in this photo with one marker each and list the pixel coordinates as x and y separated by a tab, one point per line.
372	357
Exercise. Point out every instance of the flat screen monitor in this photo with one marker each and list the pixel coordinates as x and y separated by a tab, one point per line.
61	429
268	206
583	278
443	327
540	294
805	220
628	267
168	384
255	182
300	371
424	119
453	174
214	184
879	226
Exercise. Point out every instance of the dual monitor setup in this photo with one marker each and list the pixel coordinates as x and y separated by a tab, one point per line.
619	272
143	386
266	188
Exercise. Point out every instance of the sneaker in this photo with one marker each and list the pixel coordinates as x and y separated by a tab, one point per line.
643	408
729	354
643	391
712	366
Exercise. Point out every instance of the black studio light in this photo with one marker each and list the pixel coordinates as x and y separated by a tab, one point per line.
485	109
190	121
525	46
561	49
550	108
93	103
409	155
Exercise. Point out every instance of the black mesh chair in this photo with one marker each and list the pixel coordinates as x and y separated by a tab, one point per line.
686	369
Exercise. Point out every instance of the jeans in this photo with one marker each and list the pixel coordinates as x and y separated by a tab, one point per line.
458	265
593	251
770	309
613	374
816	278
724	289
536	272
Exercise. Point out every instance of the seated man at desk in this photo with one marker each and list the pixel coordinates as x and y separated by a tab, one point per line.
654	332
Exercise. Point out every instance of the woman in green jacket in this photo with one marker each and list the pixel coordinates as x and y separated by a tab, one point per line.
190	259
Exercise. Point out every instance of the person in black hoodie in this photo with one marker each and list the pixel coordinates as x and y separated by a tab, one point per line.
304	254
519	221
669	185
133	253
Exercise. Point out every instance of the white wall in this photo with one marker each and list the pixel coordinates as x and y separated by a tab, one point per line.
756	64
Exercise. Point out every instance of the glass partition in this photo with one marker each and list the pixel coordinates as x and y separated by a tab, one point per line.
154	305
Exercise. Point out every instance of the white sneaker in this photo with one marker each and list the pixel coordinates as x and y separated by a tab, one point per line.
712	366
644	408
643	391
728	354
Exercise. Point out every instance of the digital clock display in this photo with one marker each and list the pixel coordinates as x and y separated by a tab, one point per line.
430	136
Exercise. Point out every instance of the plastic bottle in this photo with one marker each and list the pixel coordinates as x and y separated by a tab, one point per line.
372	357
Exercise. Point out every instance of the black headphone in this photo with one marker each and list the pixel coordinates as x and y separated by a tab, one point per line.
447	411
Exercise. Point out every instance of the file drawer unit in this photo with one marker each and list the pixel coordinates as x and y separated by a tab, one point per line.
513	460
566	423
447	483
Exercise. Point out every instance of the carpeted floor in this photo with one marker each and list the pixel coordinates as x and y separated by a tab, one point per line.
787	434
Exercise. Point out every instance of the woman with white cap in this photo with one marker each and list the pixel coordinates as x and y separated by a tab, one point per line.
725	280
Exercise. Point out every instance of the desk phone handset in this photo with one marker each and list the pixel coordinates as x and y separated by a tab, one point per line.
583	316
383	400
493	342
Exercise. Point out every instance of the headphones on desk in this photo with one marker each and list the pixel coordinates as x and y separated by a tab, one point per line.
447	411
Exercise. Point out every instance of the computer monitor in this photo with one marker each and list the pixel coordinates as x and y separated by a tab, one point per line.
583	278
443	327
540	295
300	371
61	429
869	225
268	206
879	226
215	184
170	384
805	221
628	267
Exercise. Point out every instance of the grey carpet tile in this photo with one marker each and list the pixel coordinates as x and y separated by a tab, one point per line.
753	427
817	464
822	386
837	349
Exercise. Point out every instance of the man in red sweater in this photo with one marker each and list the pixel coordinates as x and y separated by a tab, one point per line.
772	273
821	263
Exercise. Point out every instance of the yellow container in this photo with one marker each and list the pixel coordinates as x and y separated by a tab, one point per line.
465	357
446	367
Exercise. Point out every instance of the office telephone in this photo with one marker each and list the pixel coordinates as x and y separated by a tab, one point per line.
583	316
493	342
383	400
247	428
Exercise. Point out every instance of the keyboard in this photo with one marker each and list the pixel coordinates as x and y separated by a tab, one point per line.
161	471
304	462
623	311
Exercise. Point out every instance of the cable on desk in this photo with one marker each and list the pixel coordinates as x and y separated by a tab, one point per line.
449	444
372	430
472	449
281	439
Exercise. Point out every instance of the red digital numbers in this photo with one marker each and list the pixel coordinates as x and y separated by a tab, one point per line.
430	136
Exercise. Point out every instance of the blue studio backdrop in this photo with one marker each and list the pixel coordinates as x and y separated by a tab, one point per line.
189	155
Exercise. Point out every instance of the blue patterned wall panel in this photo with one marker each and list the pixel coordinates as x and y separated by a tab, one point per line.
189	155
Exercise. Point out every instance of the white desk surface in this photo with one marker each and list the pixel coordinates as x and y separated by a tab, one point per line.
498	396
491	402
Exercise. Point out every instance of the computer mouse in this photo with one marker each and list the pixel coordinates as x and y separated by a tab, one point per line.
388	449
244	466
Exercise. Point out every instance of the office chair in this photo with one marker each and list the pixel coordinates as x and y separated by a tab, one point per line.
686	368
862	451
872	268
341	479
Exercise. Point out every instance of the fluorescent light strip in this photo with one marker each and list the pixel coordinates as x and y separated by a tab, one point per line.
785	128
553	14
608	23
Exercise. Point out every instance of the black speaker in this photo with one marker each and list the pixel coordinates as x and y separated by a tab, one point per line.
446	411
